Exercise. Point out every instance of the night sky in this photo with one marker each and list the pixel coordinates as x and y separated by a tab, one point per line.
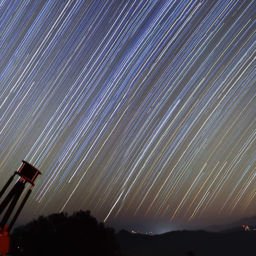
143	112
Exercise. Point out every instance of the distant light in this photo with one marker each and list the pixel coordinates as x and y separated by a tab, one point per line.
246	227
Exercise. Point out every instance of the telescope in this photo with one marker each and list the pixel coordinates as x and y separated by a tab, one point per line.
27	174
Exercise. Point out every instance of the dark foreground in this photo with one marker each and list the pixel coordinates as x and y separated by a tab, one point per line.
80	234
185	243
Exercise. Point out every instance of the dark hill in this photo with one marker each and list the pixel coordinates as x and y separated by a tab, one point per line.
198	243
235	225
79	234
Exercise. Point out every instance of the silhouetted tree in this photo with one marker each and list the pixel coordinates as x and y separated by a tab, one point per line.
59	234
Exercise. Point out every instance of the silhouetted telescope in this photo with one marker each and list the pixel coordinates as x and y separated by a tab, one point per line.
28	174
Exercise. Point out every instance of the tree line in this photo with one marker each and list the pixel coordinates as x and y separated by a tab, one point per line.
79	234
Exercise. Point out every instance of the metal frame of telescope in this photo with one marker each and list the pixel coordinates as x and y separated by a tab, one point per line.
28	173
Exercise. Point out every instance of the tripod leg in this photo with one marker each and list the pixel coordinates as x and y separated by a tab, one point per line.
8	198
19	189
20	209
6	185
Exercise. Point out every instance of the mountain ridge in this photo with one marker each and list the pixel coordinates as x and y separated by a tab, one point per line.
181	243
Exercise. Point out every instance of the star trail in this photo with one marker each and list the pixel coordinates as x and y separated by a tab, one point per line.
137	110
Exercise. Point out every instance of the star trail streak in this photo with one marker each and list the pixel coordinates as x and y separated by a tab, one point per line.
135	110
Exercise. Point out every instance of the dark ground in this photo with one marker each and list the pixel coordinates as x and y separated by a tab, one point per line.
80	234
185	243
